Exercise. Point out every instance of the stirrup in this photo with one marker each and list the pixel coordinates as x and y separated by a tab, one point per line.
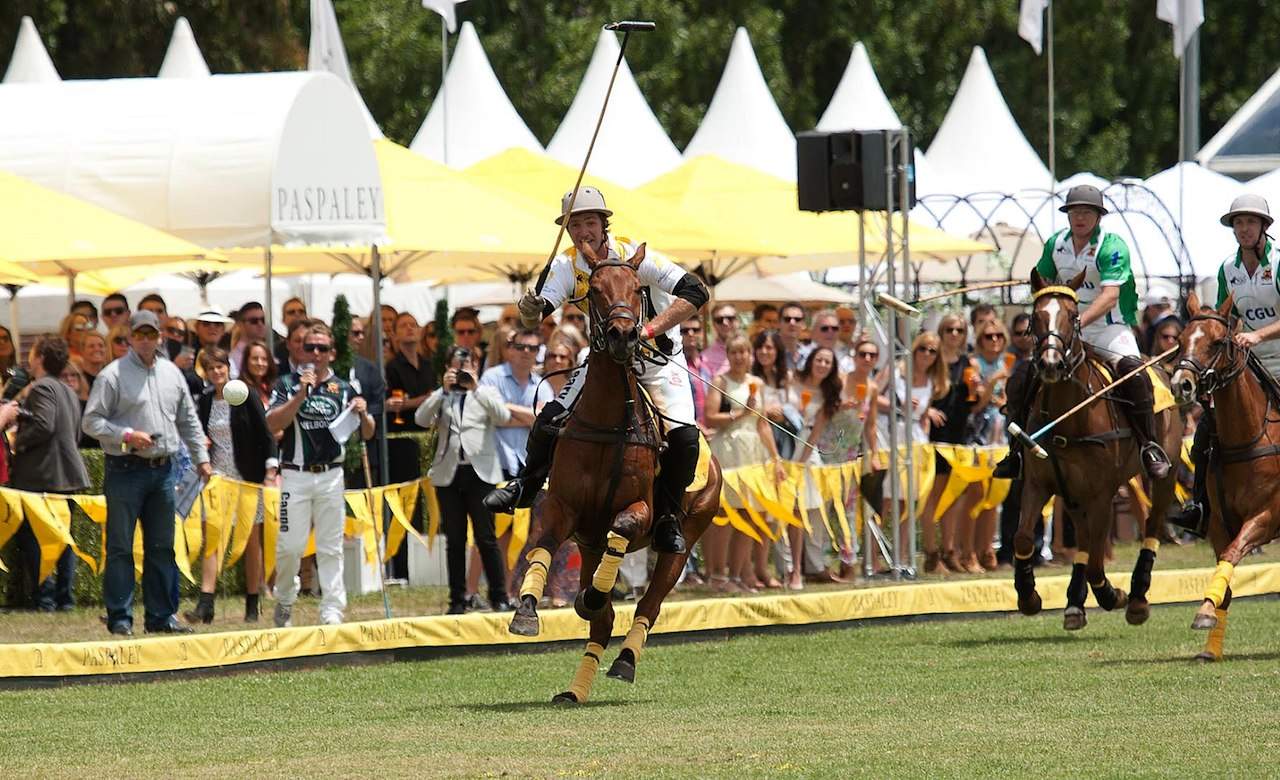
667	535
1154	459
1192	518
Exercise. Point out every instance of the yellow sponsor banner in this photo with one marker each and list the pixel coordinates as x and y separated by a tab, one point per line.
204	651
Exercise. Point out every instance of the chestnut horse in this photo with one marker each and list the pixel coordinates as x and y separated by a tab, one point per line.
1243	470
1090	456
601	489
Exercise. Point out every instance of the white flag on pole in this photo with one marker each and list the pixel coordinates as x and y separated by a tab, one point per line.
445	9
1031	23
1186	16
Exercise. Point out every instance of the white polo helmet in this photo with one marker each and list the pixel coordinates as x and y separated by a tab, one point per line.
1249	204
589	199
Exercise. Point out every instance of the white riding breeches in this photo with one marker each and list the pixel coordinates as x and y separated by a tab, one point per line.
666	384
1112	341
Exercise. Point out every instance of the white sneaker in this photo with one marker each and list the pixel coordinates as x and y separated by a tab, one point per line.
333	619
283	615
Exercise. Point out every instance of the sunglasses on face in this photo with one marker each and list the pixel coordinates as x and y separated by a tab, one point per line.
993	336
113	311
687	331
953	330
84	326
321	348
828	328
793	319
927	350
358	333
119	340
726	318
869	355
524	347
146	335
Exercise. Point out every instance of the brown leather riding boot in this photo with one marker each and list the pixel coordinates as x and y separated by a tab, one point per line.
1140	411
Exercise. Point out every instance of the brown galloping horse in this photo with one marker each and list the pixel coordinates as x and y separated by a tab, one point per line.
1090	457
1243	474
601	490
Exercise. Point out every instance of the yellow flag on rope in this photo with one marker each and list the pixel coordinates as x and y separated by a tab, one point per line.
9	523
520	523
433	512
739	523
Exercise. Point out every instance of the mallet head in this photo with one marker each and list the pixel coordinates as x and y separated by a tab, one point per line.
898	305
630	27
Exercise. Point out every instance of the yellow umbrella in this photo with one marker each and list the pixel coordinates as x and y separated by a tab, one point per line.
664	225
442	226
766	209
53	234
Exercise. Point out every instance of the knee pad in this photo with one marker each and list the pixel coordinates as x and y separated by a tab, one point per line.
681	457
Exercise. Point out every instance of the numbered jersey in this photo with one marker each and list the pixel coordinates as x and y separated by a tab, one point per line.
1256	297
1105	261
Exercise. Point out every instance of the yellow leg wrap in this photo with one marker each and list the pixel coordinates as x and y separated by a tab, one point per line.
1213	645
586	674
607	572
535	578
1151	543
1082	557
637	636
1218	585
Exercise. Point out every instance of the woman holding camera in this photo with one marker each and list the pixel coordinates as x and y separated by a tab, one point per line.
466	467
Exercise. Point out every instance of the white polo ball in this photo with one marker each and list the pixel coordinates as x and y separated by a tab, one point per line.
235	392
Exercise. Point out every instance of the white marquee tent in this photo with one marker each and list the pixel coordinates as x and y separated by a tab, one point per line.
743	123
30	62
183	60
482	120
859	103
228	160
1197	196
1249	143
978	146
632	147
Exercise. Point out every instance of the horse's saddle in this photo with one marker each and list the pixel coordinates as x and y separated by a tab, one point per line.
1159	384
703	470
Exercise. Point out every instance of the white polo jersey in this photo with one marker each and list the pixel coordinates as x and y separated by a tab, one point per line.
1256	298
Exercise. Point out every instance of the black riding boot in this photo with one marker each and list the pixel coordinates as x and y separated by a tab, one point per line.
520	491
1194	515
1018	392
1141	397
678	465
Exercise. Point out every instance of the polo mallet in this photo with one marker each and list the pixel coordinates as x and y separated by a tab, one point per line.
626	28
376	516
1029	441
910	310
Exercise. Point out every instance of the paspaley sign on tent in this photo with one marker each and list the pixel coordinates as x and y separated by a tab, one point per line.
328	204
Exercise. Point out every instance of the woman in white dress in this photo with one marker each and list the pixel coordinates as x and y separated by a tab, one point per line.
741	439
816	393
772	366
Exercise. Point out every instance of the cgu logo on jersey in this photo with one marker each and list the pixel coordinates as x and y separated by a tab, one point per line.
1260	314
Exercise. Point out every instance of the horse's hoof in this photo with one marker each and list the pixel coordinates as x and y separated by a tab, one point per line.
1137	612
1073	619
568	697
1205	657
1031	605
623	668
1203	622
1122	599
524	624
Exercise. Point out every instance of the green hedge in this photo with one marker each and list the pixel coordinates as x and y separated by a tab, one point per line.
88	589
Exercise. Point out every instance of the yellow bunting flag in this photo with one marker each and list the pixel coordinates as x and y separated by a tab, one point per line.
520	523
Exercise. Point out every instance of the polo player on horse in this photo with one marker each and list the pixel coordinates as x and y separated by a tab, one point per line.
1109	300
672	296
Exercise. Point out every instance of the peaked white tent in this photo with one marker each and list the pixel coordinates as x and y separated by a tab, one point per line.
632	147
326	54
1196	196
1249	143
183	59
1268	186
482	120
978	146
859	103
30	62
743	123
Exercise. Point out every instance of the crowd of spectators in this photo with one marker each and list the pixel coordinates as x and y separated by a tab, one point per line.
776	385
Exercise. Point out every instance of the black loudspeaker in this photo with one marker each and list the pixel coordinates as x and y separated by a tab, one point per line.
846	171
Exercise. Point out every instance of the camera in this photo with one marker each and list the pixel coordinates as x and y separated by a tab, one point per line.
457	360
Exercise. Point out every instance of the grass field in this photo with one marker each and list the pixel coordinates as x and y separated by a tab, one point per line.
993	697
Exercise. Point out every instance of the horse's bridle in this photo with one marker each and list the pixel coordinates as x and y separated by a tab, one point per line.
1053	340
1213	377
619	311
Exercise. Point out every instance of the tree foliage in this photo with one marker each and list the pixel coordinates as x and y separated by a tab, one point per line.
1116	85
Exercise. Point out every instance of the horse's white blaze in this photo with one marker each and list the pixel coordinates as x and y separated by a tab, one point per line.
1053	308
